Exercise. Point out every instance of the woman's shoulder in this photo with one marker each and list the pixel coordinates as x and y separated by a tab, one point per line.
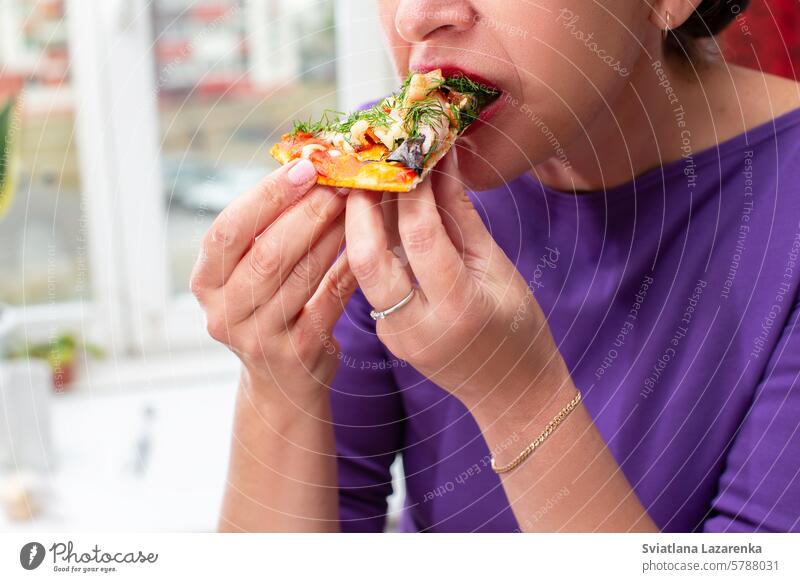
754	114
766	96
752	99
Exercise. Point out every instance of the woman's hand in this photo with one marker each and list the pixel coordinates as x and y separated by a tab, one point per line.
265	280
473	326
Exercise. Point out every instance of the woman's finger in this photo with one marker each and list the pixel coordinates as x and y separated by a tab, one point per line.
234	230
325	307
433	257
459	216
466	229
381	274
276	252
302	282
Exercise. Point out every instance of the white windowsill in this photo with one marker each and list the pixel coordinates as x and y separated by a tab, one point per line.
192	367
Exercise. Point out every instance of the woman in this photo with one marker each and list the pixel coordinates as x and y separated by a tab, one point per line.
632	239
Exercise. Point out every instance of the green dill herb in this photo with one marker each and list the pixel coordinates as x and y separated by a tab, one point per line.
332	121
401	94
428	112
329	118
302	126
464	84
345	125
376	116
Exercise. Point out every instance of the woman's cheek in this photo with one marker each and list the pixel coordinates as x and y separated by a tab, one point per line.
574	64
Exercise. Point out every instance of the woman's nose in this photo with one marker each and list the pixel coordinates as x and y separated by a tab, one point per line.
418	20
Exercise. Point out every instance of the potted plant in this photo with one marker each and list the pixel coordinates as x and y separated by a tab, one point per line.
8	134
61	353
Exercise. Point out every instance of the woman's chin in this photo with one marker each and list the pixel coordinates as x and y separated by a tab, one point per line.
484	168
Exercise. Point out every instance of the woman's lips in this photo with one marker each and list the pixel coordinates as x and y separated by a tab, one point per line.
455	71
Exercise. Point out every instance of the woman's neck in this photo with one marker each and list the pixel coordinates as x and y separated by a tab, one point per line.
667	109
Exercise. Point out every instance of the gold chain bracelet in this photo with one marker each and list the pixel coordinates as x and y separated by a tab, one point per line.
548	430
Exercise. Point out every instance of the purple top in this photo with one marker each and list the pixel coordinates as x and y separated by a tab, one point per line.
674	301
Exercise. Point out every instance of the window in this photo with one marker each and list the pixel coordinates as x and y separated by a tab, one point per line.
140	121
231	75
43	235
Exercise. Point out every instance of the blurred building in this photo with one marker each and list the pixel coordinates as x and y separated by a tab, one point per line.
33	40
207	46
224	46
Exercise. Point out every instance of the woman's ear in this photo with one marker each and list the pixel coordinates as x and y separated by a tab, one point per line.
672	13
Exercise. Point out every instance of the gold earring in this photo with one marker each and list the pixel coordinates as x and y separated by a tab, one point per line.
666	30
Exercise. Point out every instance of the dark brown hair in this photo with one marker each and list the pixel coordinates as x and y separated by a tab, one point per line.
710	18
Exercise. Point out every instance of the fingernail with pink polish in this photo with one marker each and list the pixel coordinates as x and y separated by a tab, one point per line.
302	173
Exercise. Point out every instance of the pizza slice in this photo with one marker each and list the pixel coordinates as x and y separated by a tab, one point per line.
393	145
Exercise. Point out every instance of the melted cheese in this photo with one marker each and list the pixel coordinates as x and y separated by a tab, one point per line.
309	149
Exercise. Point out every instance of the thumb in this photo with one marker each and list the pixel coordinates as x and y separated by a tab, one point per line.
459	215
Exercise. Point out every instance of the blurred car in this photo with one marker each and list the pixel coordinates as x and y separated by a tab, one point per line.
193	184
